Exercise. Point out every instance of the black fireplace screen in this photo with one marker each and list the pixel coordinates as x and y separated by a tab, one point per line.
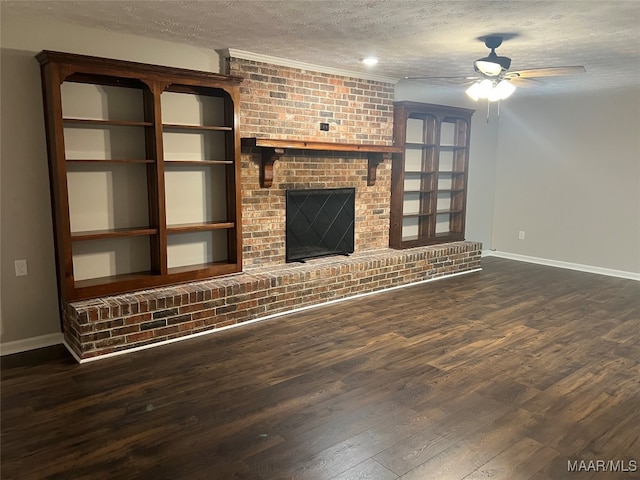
320	223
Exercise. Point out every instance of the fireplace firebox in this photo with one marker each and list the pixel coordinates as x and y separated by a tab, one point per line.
319	222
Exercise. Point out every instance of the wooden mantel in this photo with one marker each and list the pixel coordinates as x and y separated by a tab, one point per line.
272	149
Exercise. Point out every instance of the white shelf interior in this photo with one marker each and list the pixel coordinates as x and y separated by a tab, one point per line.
412	181
107	196
415	129
104	142
195	194
196	248
445	161
410	228
444	201
194	145
445	181
101	102
189	109
413	159
411	203
113	256
447	133
442	223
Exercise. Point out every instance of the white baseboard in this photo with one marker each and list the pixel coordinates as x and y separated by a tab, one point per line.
567	265
73	354
32	343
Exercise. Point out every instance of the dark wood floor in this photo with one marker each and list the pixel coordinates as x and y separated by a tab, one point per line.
510	373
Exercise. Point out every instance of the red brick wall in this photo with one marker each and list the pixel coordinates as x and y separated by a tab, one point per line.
289	103
286	102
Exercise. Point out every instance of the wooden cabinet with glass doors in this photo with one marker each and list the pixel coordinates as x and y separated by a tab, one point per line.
429	177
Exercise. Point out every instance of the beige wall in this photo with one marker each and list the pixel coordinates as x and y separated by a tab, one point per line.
568	175
29	304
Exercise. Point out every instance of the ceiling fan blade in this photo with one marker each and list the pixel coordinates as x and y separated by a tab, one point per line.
546	72
525	82
444	80
430	77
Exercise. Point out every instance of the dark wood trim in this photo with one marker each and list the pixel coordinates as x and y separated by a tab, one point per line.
108	160
272	149
269	157
199	227
311	145
112	233
234	177
131	282
175	126
156	180
434	109
178	163
49	84
374	159
122	66
98	122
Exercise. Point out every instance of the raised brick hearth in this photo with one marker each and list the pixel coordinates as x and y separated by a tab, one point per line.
114	324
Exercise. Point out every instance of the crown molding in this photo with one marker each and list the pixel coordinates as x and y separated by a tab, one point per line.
258	57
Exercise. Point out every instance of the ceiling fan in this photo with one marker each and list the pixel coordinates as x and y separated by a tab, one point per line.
494	81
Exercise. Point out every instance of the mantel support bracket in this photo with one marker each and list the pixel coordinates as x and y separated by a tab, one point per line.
271	149
375	159
269	157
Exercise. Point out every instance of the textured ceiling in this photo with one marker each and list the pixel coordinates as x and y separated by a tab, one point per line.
410	37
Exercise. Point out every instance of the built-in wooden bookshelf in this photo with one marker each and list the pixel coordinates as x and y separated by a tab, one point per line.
144	169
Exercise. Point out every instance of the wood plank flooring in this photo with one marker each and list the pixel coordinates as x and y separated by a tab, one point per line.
510	373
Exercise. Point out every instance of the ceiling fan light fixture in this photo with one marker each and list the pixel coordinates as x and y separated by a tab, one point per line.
480	89
502	90
492	92
487	67
492	65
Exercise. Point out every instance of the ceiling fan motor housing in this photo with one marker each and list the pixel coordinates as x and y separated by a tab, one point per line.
492	66
488	66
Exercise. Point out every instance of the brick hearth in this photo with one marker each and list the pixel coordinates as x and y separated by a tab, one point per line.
114	324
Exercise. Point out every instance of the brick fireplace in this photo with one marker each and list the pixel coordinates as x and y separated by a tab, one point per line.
281	102
289	103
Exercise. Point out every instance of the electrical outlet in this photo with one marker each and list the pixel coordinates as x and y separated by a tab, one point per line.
21	268
324	127
521	235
